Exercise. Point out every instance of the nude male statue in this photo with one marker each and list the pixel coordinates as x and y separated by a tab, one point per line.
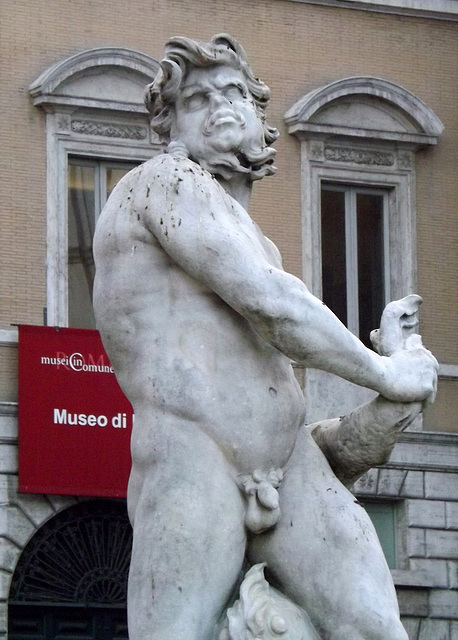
201	323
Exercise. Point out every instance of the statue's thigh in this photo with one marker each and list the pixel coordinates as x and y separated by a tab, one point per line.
324	551
188	548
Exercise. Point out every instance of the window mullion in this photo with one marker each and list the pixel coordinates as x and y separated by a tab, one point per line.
351	243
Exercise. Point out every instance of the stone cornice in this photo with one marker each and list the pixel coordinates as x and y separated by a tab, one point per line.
435	9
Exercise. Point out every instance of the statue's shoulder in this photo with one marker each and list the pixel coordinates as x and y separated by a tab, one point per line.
169	176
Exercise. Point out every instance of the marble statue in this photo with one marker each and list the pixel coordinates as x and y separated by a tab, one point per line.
243	523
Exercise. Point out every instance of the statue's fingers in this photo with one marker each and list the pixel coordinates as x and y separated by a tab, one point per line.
399	321
407	306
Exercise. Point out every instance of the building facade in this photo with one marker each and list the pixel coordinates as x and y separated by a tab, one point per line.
363	209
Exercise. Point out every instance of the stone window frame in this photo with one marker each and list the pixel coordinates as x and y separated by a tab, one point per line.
361	131
93	102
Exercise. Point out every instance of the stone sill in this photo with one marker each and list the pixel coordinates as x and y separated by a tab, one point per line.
8	337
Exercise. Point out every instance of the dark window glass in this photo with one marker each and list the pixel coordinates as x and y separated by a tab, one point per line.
353	261
333	252
370	262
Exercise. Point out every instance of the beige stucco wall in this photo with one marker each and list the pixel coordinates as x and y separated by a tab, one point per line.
294	47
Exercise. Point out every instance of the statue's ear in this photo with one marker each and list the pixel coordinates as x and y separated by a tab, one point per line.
171	78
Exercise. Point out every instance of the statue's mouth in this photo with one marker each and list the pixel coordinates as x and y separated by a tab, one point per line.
221	118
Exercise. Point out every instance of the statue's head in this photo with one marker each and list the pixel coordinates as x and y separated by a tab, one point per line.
207	105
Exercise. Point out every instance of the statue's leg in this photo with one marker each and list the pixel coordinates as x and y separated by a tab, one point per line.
325	555
189	544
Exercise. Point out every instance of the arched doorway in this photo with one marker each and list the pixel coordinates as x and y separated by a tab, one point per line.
71	579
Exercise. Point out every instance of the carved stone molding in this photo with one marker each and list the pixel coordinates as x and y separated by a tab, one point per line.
359	156
317	151
406	159
109	129
63	123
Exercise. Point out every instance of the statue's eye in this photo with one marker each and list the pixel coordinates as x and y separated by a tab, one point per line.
196	100
234	92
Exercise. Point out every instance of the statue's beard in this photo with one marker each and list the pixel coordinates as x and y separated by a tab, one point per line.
228	147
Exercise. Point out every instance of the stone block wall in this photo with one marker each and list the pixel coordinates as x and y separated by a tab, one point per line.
421	479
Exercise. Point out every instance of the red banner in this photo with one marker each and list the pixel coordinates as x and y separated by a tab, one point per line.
74	421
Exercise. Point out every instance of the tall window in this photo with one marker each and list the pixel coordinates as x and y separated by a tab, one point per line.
98	128
354	243
358	139
90	183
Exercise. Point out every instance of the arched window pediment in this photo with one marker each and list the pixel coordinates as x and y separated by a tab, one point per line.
111	78
364	106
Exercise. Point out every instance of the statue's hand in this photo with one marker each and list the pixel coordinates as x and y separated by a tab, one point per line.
410	369
411	374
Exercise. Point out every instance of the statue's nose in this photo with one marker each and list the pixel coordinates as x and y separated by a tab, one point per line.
217	100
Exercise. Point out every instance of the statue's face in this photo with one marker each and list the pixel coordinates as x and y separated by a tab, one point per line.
215	114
